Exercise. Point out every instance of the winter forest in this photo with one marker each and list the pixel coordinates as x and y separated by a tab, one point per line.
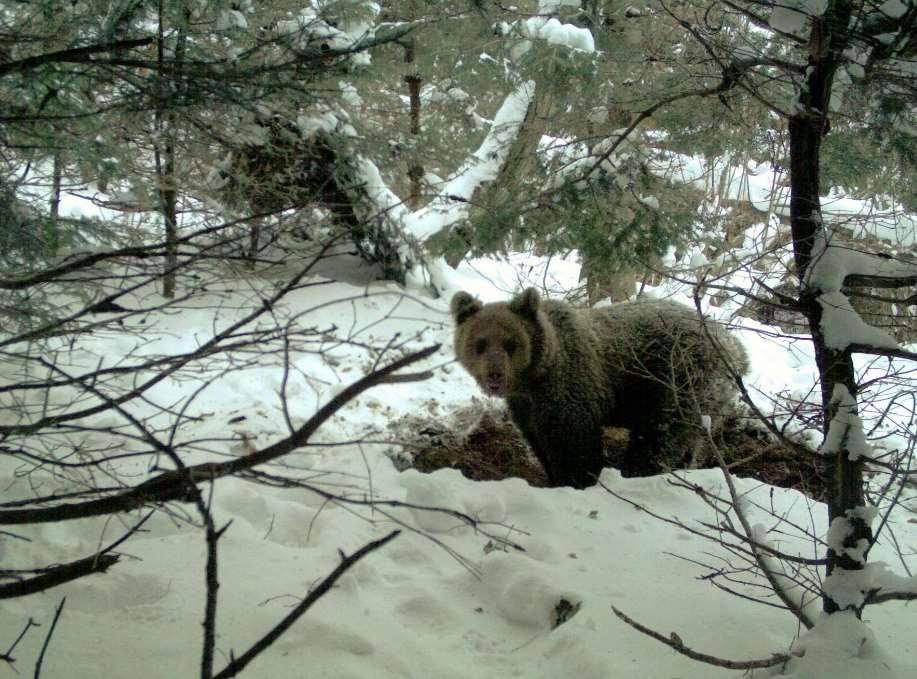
237	434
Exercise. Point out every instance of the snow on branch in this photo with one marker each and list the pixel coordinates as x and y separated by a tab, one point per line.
845	431
453	202
835	266
873	584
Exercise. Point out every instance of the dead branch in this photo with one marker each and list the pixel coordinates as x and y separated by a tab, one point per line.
180	484
58	575
674	641
7	656
239	663
706	535
883	351
44	646
99	562
213	345
879	597
776	585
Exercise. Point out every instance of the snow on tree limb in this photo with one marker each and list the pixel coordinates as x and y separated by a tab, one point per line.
453	202
845	431
833	265
874	583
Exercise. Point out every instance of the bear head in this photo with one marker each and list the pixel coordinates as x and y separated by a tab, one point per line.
495	342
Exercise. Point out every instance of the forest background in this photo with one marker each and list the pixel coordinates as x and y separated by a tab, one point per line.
760	154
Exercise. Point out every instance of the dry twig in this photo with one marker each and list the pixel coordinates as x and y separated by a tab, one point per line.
675	642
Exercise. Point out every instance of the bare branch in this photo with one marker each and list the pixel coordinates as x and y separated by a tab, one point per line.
99	562
180	484
882	351
58	575
674	641
879	597
238	664
74	55
7	656
776	585
44	646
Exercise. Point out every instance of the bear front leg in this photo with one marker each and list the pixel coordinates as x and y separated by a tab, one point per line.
521	409
579	456
570	453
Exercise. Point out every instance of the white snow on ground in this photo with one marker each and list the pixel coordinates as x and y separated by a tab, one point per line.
458	609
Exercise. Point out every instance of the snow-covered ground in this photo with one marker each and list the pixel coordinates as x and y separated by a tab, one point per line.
442	599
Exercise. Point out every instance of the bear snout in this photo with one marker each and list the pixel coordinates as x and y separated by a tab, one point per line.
495	383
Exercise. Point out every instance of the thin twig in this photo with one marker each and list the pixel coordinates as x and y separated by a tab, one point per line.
179	484
44	646
239	663
7	656
778	588
673	641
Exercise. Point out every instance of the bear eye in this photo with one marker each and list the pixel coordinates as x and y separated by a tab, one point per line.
480	346
510	346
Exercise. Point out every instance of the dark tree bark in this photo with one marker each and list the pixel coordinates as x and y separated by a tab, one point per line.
413	80
829	37
164	145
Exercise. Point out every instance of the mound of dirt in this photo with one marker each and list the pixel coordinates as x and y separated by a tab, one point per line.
753	453
479	440
482	442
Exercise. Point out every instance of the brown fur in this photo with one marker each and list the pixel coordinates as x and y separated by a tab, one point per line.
566	374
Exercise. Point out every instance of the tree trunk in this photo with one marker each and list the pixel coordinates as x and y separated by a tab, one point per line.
168	199
50	237
828	39
413	80
164	153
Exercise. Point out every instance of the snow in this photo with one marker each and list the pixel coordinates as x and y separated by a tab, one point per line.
841	646
229	19
846	428
453	202
792	16
442	599
553	6
310	29
555	32
893	8
549	29
764	189
831	264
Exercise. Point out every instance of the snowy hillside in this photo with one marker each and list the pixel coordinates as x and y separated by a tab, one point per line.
443	598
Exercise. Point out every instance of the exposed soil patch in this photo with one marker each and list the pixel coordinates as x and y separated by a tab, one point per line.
482	443
752	453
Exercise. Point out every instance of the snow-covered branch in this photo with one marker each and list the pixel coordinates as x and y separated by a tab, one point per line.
452	205
835	266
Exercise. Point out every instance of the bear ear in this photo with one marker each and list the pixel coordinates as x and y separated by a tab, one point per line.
526	304
464	306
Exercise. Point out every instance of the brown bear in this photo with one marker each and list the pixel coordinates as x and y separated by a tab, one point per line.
567	373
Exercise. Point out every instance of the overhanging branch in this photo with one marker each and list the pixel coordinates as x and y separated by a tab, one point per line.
181	485
74	55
